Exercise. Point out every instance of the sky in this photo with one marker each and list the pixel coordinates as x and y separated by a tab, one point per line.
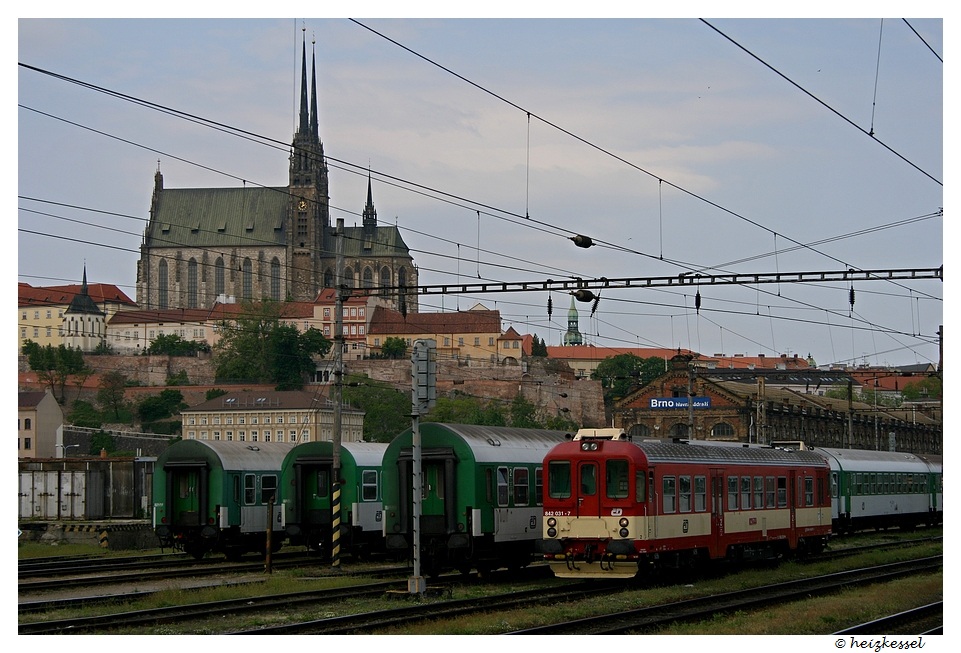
714	147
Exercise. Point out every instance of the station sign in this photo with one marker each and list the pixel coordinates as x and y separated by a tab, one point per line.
669	403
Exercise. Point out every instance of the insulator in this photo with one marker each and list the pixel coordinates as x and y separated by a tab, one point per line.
583	295
851	297
697	302
582	241
550	307
597	300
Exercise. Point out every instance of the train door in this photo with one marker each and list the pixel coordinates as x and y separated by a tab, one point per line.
184	489
434	497
588	497
794	495
717	511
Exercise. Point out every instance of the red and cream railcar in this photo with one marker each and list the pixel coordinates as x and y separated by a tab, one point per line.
615	508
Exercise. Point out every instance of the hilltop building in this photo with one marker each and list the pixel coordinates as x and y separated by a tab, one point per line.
253	243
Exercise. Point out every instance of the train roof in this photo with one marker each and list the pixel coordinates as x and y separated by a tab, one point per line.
364	454
487	444
227	455
665	452
864	460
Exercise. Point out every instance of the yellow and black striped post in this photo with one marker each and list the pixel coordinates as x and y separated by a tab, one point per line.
335	526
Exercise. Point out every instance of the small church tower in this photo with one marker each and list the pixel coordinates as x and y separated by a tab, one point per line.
573	335
84	324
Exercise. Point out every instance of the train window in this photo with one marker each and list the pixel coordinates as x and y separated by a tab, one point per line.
588	474
522	486
250	489
858	484
732	492
369	484
769	491
539	486
185	487
559	479
745	493
502	487
268	488
700	493
236	489
639	486
834	484
808	491
684	493
781	492
758	492
616	477
669	494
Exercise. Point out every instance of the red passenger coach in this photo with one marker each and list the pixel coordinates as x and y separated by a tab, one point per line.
614	508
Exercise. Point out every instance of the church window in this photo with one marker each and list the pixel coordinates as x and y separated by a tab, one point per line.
248	282
328	279
219	276
192	283
349	277
275	279
368	278
162	285
302	225
384	278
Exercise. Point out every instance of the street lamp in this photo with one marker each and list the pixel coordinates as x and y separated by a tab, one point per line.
64	447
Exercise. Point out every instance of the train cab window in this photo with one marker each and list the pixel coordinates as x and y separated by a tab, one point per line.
369	484
769	491
268	488
732	492
669	494
539	486
639	486
745	493
616	479
323	483
684	493
758	492
808	491
250	489
522	486
503	496
559	479
781	492
700	494
588	474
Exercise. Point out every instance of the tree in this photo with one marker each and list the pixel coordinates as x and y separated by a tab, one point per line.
619	374
157	407
173	345
102	441
54	366
464	409
523	414
394	348
258	348
538	346
84	414
926	388
387	411
112	392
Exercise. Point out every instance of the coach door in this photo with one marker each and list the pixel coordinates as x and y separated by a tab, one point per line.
717	509
588	499
186	488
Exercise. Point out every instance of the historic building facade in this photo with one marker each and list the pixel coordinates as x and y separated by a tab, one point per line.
276	243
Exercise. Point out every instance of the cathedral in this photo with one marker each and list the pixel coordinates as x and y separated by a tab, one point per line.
202	245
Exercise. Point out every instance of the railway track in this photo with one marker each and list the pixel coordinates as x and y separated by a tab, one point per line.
645	620
925	620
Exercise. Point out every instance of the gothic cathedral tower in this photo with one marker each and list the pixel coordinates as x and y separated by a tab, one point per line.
308	215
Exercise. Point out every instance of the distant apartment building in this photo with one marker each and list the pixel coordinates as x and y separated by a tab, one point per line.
460	335
39	425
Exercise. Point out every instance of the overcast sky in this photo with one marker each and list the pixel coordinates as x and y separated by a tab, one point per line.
718	147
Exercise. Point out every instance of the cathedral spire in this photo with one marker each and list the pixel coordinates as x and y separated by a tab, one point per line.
314	130
370	215
304	115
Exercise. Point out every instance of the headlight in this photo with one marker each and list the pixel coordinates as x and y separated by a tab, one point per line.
551	532
623	522
623	532
551	521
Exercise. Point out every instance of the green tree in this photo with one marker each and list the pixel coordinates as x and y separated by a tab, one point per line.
101	441
538	347
258	348
387	411
619	374
180	378
54	366
926	388
523	414
157	407
465	409
213	393
394	348
83	414
173	345
112	392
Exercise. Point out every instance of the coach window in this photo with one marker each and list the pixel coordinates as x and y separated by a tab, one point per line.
834	484
781	492
758	492
250	489
639	485
539	486
369	483
769	491
323	483
268	488
684	493
808	491
732	492
700	494
616	479
745	493
502	487
522	486
669	494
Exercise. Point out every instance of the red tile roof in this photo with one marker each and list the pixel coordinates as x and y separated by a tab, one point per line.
385	321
